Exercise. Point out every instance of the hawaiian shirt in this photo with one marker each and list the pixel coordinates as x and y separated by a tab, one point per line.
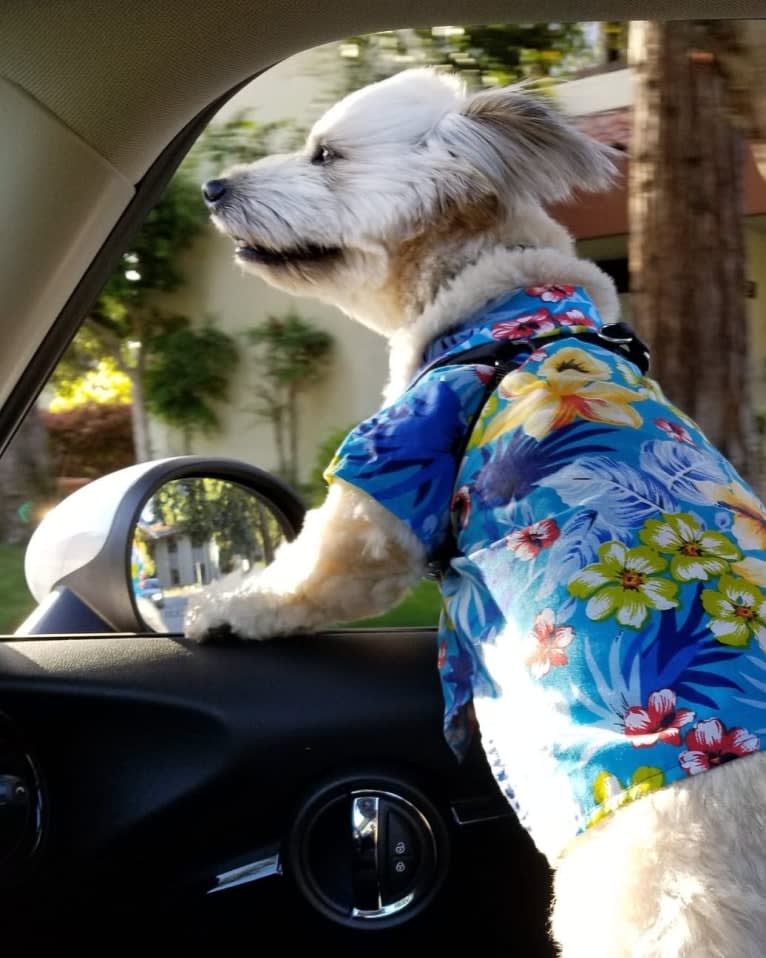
604	607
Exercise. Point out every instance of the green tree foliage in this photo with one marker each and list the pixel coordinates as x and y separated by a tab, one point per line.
169	228
483	54
316	487
187	370
242	139
125	323
219	511
290	355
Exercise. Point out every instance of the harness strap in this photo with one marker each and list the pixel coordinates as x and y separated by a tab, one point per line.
616	337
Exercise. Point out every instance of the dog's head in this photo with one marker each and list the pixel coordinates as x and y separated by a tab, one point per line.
400	185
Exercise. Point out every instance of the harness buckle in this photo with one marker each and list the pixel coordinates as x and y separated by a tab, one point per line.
621	337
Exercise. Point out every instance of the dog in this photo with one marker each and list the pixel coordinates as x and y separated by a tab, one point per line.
601	564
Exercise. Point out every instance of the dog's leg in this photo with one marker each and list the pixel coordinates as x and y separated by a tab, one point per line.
353	558
677	874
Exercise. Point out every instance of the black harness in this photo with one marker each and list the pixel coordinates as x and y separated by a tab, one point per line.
504	356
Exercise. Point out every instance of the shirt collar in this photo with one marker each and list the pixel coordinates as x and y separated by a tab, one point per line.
534	312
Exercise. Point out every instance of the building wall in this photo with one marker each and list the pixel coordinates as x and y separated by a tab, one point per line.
596	94
179	567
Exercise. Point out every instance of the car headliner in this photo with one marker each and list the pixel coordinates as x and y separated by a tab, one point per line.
96	90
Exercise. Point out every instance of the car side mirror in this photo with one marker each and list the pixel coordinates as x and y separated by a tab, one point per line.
194	531
126	552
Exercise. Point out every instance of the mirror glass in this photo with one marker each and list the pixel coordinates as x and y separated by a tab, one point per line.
191	532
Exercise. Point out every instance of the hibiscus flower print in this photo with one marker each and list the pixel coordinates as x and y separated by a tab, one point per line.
624	584
577	317
675	430
737	612
697	554
710	744
658	722
752	569
461	506
550	294
749	513
528	543
546	643
571	384
442	658
525	327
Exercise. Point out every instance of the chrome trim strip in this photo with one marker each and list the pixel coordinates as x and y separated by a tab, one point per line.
244	874
365	831
385	911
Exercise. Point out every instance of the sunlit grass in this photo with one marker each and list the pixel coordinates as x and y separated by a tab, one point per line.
421	607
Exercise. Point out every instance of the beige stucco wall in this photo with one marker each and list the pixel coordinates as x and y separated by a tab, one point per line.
595	94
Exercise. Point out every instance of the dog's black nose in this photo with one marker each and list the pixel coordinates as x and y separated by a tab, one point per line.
213	190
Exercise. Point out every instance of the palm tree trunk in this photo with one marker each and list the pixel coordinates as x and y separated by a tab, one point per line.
687	252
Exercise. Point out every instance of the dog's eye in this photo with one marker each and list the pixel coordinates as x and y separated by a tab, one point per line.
322	155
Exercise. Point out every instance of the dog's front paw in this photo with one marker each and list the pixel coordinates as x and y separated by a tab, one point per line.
219	616
208	623
222	634
231	610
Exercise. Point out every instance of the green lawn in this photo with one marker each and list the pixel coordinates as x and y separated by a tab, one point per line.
15	601
421	607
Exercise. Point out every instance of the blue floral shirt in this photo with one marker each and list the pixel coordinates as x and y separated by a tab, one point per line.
604	609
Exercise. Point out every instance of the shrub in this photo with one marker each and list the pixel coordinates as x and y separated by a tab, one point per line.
91	440
316	488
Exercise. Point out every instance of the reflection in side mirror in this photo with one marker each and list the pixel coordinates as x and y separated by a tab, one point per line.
192	532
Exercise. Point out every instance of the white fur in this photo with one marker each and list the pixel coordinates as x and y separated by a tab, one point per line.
408	151
679	873
496	272
433	203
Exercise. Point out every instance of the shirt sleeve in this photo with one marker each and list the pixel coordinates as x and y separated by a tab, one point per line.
407	455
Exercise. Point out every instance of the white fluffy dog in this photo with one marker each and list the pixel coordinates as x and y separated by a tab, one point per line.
419	212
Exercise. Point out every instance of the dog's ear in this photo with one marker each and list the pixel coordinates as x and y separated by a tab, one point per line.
525	147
